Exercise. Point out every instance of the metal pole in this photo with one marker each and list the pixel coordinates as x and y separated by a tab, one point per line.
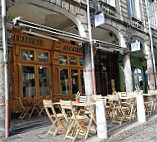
151	42
91	45
5	58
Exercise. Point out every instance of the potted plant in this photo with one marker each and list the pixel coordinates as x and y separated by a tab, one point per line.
77	97
32	97
114	92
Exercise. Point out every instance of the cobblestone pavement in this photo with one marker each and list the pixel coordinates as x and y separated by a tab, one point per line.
35	131
146	132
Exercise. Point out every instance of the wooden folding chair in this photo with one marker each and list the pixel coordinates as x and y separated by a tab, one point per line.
83	99
56	119
76	123
25	109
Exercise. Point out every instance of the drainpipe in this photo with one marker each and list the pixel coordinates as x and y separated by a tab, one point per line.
91	45
5	58
151	43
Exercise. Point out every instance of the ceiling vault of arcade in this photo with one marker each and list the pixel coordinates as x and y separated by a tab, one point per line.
42	16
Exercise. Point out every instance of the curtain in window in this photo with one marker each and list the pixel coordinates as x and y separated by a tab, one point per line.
110	2
134	8
151	12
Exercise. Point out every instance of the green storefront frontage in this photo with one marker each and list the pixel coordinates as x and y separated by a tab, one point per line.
138	67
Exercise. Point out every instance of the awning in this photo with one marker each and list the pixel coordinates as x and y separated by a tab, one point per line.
109	47
47	32
55	34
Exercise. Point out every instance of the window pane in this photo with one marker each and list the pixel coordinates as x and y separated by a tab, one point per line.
111	2
137	9
73	61
62	59
42	57
44	81
82	82
74	79
64	80
81	61
28	81
27	55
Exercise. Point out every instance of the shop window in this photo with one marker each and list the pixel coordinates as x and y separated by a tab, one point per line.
81	62
44	81
135	8
62	60
28	77
27	55
64	80
43	57
73	61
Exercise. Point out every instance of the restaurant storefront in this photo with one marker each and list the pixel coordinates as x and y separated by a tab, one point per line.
44	69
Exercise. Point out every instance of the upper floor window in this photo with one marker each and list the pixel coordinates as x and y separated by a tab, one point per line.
134	8
151	12
110	2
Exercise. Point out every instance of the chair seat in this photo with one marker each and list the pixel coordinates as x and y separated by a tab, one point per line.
59	115
79	117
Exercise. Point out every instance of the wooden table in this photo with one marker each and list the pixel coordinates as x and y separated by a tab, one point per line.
91	114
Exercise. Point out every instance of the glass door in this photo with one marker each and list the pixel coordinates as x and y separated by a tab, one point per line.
44	84
64	82
74	81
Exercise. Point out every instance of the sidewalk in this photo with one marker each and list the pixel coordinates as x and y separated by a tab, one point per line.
35	129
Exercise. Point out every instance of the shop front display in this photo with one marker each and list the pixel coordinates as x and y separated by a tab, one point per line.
44	69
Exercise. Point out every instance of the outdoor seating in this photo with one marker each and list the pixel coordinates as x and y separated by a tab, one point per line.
150	101
76	123
40	107
120	108
33	102
25	108
56	118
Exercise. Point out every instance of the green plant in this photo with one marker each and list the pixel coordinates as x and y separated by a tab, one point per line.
114	92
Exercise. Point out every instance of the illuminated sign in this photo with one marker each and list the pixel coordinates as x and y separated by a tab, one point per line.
99	19
135	46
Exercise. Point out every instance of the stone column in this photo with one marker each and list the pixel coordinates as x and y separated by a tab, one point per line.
87	71
2	94
128	73
2	91
150	73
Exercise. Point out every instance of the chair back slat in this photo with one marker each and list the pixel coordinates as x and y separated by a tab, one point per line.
21	103
66	106
48	105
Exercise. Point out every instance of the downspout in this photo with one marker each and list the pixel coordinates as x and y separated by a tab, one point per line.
152	46
91	45
5	58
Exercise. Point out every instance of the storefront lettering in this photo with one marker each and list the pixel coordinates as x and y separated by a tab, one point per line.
74	49
24	39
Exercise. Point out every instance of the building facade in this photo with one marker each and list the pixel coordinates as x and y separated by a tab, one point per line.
50	54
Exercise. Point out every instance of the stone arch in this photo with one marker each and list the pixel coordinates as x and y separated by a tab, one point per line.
58	9
122	42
